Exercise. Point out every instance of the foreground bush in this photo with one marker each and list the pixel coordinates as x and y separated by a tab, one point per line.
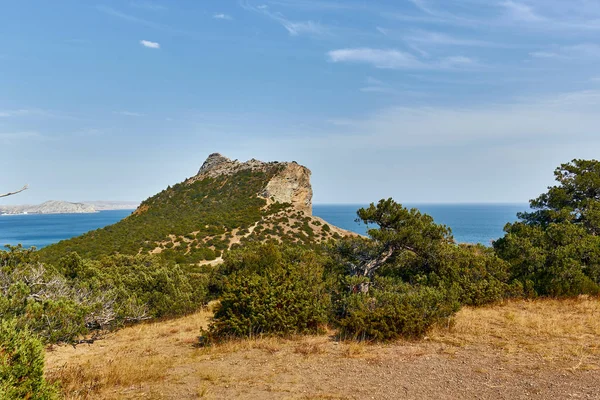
270	290
22	365
393	310
78	296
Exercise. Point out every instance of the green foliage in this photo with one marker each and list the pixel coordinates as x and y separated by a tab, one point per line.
270	290
576	199
410	247
22	365
555	250
393	310
81	295
410	275
210	206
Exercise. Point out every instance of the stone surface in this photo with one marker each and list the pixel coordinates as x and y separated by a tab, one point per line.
290	185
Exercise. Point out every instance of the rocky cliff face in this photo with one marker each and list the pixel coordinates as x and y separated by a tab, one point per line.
290	184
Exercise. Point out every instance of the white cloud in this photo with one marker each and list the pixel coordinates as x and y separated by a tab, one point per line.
11	136
577	52
396	59
383	31
522	12
561	118
294	28
149	44
222	16
146	5
544	54
388	58
130	113
436	38
457	62
373	81
377	89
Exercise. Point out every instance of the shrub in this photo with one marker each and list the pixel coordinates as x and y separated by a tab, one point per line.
270	290
22	365
393	310
554	250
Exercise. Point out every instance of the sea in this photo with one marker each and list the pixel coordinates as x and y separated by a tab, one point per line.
470	223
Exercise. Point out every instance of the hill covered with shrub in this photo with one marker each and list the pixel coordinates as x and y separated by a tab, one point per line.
226	204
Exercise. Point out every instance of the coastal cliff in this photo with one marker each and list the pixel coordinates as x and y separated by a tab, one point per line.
290	184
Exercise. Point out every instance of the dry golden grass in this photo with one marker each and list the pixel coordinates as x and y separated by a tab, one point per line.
556	330
161	360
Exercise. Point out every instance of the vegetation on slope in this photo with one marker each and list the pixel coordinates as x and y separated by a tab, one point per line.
198	220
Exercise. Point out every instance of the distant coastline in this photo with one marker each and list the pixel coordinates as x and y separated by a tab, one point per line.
65	207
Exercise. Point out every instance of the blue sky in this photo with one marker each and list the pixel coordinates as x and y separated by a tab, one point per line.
419	100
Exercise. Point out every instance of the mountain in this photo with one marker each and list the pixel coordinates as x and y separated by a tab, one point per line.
227	203
103	205
50	207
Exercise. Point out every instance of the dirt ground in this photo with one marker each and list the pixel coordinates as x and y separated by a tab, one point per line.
546	349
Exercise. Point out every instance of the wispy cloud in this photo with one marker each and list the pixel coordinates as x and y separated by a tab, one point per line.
13	113
294	28
560	117
222	16
14	136
376	86
442	39
144	22
522	12
576	52
34	112
130	113
147	5
380	58
149	44
544	54
397	59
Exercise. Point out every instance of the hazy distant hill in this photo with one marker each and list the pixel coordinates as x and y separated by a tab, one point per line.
50	207
113	205
225	204
65	207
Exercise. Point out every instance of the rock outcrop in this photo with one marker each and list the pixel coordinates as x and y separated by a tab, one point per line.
290	184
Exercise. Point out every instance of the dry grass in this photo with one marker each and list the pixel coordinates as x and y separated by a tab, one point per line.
556	330
132	357
161	360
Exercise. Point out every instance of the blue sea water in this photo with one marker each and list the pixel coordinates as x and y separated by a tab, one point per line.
42	230
470	223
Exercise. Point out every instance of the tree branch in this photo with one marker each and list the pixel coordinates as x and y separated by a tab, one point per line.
18	191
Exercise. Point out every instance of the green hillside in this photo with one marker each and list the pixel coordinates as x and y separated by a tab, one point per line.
196	220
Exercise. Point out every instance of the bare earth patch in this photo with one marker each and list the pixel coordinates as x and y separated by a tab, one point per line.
518	350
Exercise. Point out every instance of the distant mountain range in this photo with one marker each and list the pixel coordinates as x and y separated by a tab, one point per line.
64	207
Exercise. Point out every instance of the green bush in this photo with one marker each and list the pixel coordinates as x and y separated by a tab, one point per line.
63	303
392	310
270	290
554	250
22	365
